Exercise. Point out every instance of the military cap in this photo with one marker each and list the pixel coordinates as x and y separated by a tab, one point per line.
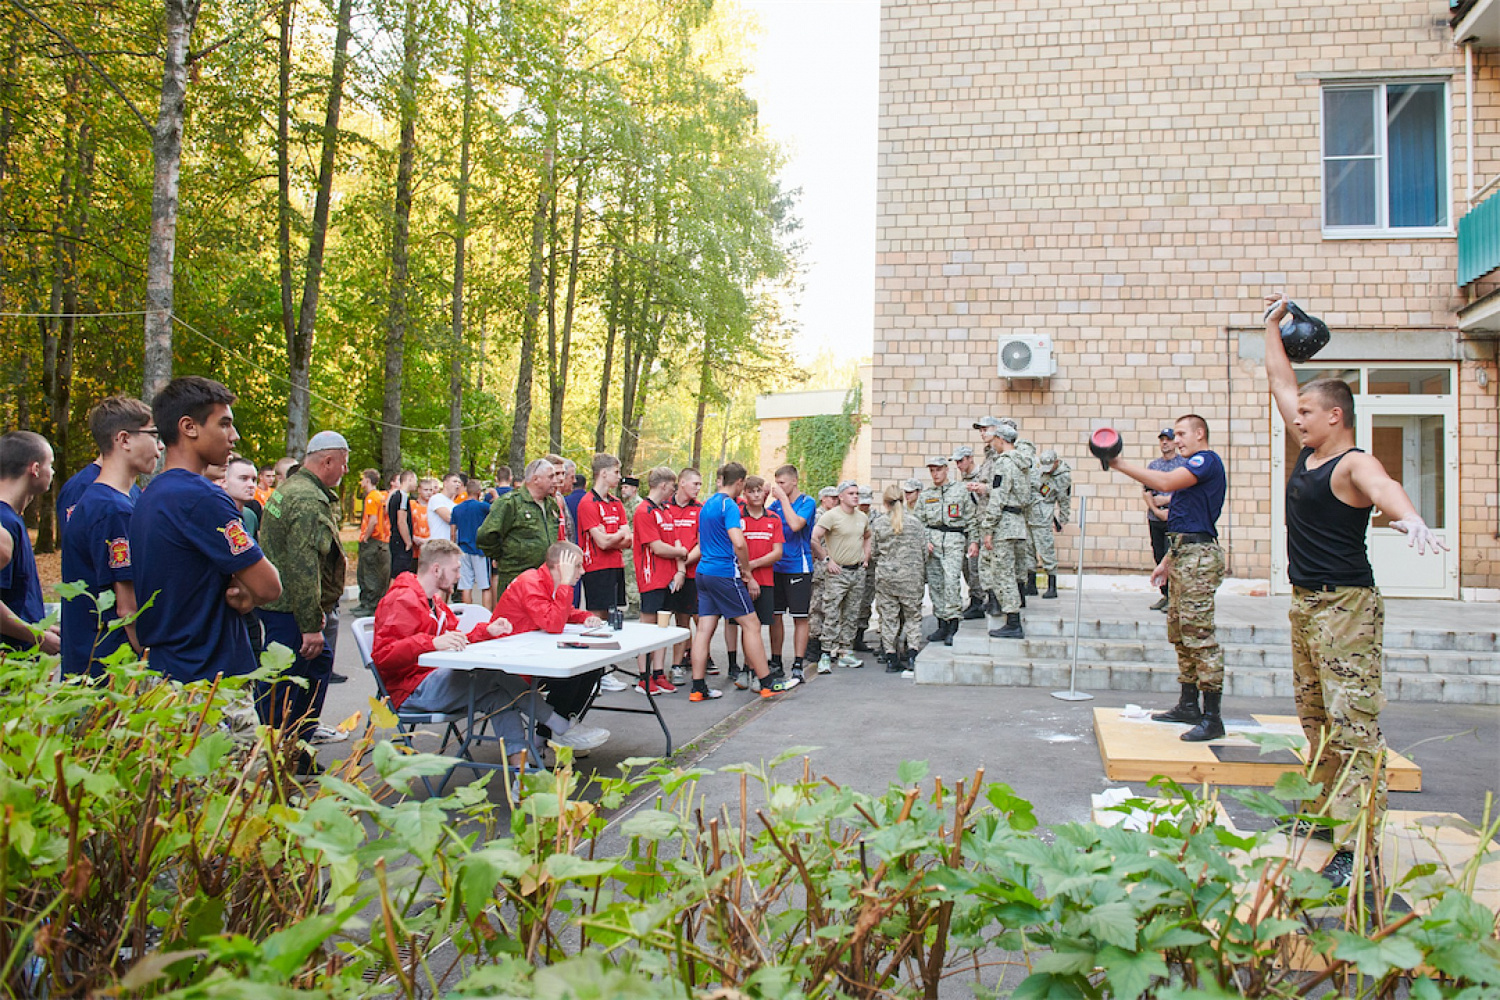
828	491
936	460
912	486
1046	458
1008	432
984	422
962	451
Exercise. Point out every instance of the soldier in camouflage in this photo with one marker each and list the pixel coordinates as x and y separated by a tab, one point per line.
867	596
979	488
899	541
1025	453
630	495
1337	615
969	472
945	509
1052	484
828	498
1003	531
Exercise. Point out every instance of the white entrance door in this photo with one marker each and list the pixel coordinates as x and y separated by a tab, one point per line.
1407	416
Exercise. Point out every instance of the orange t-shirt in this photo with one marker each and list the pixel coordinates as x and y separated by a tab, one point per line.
419	530
375	522
261	496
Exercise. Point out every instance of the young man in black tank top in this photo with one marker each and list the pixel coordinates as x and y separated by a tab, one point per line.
1337	615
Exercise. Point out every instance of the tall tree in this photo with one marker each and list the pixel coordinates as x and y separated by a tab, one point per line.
460	246
400	281
166	172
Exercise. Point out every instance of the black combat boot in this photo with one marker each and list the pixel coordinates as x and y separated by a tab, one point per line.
940	631
1186	709
950	632
1012	628
814	649
1211	726
991	603
975	608
860	646
1021	587
893	662
1050	594
911	660
1030	589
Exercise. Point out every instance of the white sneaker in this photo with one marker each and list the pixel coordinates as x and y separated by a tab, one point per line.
327	734
909	675
609	682
581	737
850	660
825	665
679	675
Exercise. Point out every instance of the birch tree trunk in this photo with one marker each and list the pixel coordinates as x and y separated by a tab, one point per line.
166	158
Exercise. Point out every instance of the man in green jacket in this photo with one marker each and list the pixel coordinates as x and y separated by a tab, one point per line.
300	536
520	527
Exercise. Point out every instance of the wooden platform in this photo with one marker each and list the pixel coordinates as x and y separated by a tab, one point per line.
1135	750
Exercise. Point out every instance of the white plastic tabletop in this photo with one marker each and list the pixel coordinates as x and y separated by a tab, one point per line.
537	653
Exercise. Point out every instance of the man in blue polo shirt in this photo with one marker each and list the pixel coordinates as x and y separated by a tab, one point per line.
192	557
25	474
474	566
794	569
96	536
1193	568
726	589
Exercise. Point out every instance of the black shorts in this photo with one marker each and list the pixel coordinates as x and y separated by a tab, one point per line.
793	592
604	589
654	602
685	601
765	604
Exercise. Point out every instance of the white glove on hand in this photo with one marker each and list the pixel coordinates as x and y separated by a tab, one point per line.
1418	535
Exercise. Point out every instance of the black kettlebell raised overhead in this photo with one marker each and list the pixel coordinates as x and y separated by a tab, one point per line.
1105	443
1302	336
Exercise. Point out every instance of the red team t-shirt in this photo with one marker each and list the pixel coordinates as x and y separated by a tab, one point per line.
761	534
686	518
594	512
653	523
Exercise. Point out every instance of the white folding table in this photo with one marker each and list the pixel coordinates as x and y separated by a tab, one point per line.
537	656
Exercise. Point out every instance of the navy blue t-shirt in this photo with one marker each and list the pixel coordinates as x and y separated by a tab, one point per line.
72	491
1197	507
186	540
715	549
796	546
20	587
95	552
466	518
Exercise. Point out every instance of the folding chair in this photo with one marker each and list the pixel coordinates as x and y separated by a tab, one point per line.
406	722
469	615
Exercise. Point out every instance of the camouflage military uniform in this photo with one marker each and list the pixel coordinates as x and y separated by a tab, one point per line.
948	514
1004	521
1337	654
899	579
867	595
1196	570
841	594
980	474
1025	456
632	589
815	602
1053	497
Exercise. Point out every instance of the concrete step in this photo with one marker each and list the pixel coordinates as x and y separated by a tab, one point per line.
941	665
1236	656
1151	627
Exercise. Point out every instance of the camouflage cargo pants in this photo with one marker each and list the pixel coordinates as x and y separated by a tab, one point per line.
971	577
1337	658
1045	546
1026	559
841	594
815	602
866	598
900	611
1000	567
374	575
1197	570
632	590
945	571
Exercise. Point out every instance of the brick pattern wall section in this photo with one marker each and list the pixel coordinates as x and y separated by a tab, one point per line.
1130	178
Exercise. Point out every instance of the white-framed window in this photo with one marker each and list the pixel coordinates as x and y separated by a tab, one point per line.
1385	159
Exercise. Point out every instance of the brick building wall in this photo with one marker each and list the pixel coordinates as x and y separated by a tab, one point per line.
1130	178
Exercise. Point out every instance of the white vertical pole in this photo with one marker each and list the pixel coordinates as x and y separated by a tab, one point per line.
1072	693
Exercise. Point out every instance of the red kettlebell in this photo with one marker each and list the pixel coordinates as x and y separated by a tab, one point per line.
1105	443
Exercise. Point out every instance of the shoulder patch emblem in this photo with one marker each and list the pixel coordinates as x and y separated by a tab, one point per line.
234	533
119	553
1196	460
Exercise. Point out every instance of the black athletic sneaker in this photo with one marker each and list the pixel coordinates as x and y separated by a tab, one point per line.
1339	871
1306	828
797	675
711	668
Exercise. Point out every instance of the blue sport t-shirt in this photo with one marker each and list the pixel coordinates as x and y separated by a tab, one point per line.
1197	507
466	519
796	546
186	540
72	491
20	587
95	552
720	512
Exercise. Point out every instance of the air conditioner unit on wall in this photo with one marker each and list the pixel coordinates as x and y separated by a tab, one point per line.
1027	355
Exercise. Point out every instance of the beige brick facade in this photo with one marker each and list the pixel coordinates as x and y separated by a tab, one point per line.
1130	178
